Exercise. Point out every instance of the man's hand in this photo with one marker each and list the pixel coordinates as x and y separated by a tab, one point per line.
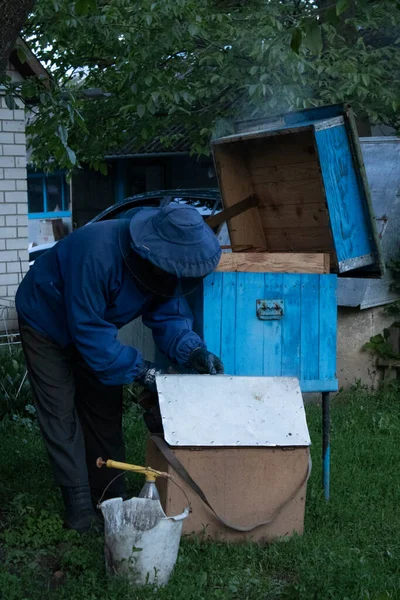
204	362
147	377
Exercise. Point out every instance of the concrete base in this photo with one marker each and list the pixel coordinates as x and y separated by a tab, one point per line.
355	328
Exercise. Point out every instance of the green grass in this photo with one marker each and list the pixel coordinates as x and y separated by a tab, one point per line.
350	549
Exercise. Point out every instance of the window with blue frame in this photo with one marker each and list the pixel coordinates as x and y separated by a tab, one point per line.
48	195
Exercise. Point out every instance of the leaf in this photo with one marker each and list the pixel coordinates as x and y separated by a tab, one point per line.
21	54
366	79
103	168
10	102
313	38
82	7
134	88
341	6
297	38
63	134
193	29
71	155
253	70
149	20
253	89
141	109
331	16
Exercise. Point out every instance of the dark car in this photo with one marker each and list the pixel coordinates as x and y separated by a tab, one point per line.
206	201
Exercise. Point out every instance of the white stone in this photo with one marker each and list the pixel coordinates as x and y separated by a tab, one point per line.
9	279
12	290
7	161
6	114
17	244
20	138
16	196
14	173
20	161
19	115
22	232
22	185
14	150
7	209
23	255
7	185
22	209
3	267
17	126
13	220
8	232
6	138
17	267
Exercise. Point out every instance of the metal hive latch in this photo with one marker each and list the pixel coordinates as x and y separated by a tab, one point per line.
269	310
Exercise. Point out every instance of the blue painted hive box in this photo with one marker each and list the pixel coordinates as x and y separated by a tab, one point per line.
304	174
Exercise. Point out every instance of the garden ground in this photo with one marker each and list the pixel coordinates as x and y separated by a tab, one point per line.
350	548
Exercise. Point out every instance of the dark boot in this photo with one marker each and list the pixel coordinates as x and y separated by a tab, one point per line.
79	510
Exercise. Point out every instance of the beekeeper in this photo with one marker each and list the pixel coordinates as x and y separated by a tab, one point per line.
71	304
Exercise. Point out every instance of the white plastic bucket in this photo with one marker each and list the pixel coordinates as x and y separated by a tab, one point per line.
141	542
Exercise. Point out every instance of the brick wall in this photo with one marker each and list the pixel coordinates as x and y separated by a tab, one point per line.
13	210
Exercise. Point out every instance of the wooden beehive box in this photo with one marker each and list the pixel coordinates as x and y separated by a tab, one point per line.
305	174
303	219
244	440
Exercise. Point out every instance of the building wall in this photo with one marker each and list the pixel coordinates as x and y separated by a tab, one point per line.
13	208
355	328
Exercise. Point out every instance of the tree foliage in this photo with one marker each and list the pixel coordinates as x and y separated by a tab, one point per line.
200	64
13	14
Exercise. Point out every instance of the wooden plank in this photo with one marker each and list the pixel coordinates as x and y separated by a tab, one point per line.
295	239
212	287
272	342
319	385
291	325
228	322
309	327
232	211
249	329
235	184
293	215
298	148
327	327
308	191
290	172
267	262
348	214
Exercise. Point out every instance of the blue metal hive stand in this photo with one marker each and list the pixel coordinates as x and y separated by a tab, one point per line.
305	175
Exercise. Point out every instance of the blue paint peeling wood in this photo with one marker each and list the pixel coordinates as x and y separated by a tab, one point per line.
291	325
272	330
212	314
302	344
327	327
249	339
346	204
228	322
309	326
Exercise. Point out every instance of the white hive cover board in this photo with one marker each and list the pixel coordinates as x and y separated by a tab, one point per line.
224	410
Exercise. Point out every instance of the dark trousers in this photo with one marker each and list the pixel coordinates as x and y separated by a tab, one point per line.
80	418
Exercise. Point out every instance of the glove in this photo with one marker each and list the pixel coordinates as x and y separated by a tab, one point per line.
148	375
204	362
